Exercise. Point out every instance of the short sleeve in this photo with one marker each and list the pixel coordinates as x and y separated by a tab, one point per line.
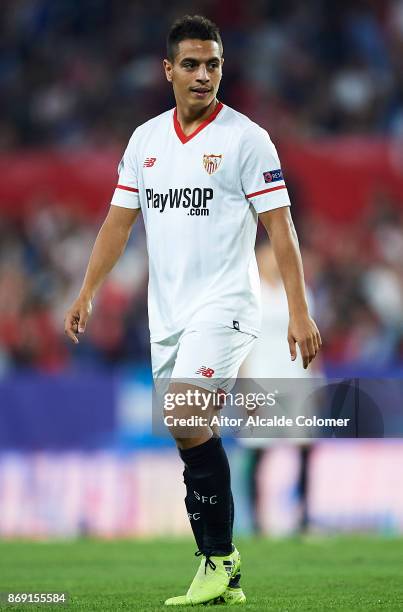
261	174
126	193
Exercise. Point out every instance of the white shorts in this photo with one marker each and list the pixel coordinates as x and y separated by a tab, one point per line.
205	354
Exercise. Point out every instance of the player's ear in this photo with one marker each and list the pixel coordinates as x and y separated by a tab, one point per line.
168	69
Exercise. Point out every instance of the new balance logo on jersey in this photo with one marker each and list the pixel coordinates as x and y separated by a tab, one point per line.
207	372
149	162
195	200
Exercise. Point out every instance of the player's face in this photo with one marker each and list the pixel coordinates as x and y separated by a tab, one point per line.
195	72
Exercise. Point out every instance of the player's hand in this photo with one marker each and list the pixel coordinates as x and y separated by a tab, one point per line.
76	318
302	330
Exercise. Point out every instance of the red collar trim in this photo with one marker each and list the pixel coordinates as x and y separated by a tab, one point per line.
179	132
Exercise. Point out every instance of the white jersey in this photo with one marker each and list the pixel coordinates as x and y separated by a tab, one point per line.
200	195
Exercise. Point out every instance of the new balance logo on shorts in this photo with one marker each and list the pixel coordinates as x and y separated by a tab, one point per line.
207	372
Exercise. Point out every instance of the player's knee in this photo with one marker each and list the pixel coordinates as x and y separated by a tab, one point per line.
184	426
176	423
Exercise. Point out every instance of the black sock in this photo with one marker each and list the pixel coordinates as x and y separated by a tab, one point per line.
209	473
193	509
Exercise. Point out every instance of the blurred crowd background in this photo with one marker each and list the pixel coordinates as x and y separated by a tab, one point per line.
83	75
354	272
326	80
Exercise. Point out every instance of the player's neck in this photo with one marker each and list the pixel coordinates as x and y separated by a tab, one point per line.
190	119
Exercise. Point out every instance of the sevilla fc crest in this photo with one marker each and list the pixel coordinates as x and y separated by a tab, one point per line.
211	163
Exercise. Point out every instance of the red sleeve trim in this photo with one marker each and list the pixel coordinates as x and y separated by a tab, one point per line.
256	193
127	188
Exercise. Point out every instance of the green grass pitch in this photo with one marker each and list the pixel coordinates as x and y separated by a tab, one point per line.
305	573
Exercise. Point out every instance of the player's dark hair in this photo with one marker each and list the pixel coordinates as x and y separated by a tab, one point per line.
191	26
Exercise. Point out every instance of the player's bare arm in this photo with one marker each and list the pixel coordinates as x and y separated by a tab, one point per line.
302	328
108	247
